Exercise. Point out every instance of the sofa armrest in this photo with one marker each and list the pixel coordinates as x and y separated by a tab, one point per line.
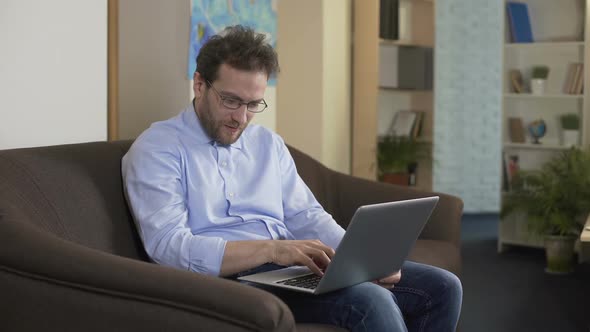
47	283
352	192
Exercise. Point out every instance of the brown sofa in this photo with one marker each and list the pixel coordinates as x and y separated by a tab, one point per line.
71	260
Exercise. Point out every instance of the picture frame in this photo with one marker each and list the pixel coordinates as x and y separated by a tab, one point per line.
403	124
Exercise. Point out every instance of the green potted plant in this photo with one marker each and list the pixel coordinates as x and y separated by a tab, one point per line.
397	158
570	126
538	79
556	201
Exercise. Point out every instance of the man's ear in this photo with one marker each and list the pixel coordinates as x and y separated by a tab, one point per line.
198	85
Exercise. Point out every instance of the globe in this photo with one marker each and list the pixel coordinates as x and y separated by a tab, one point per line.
537	129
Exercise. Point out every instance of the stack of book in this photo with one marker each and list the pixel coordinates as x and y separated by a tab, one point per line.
574	80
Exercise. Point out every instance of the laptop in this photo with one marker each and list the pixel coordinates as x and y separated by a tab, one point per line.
375	245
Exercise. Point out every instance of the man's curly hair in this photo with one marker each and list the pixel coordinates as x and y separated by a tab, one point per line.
239	47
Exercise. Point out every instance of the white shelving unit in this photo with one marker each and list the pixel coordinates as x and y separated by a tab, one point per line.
558	31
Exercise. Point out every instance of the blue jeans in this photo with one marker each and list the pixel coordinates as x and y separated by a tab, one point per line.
427	298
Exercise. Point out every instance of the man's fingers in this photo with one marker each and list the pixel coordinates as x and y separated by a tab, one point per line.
321	246
308	261
311	253
392	279
388	286
318	257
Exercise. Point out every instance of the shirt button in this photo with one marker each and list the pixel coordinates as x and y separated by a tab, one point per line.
223	164
231	194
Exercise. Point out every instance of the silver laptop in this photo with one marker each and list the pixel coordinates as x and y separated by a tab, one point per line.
375	245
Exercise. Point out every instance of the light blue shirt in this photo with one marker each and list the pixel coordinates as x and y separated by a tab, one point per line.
190	195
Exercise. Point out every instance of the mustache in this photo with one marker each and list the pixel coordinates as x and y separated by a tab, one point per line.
235	124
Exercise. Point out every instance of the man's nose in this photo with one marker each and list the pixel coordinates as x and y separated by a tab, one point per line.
240	114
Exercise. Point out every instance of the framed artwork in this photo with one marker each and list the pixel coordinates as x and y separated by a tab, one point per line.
209	17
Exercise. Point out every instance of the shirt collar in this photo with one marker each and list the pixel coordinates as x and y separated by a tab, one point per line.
194	125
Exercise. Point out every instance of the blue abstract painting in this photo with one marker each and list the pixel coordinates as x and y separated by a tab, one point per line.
209	17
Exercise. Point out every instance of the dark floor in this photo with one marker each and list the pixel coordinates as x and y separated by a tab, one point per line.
511	292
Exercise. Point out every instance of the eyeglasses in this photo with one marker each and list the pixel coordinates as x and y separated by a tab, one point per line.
234	103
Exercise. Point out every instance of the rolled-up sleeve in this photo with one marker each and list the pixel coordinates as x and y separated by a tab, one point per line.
155	190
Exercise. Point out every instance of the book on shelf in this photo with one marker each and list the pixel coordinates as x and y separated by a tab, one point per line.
516	130
516	81
417	129
389	19
574	80
579	80
569	77
519	21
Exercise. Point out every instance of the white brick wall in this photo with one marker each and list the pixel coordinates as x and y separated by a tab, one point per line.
468	81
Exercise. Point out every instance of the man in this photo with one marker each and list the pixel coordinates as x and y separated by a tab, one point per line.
212	195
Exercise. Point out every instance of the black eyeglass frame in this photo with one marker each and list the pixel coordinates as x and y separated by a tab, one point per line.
234	103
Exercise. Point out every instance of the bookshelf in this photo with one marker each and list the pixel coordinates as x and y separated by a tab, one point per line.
559	30
416	28
373	106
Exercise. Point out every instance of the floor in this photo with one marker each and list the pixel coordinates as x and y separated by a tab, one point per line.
511	292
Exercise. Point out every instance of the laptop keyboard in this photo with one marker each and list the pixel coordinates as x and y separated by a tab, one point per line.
309	281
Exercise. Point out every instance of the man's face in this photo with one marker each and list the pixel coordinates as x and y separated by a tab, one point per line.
222	124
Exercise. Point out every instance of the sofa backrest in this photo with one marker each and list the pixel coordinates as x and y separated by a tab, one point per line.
73	191
322	183
76	192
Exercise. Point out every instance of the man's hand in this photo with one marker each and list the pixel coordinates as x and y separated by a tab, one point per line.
390	281
311	253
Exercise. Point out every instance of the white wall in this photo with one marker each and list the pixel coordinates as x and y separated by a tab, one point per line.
53	72
468	100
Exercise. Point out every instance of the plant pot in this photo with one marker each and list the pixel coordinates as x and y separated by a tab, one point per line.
538	86
401	179
570	137
560	254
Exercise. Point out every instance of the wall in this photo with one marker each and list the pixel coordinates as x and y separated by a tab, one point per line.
366	80
53	72
337	86
467	129
153	51
299	85
313	92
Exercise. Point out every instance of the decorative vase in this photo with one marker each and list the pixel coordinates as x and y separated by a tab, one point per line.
538	86
560	254
401	179
570	137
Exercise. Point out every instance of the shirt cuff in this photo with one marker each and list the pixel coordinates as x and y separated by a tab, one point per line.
333	236
206	255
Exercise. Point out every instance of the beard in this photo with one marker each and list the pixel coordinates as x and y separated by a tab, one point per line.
217	129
